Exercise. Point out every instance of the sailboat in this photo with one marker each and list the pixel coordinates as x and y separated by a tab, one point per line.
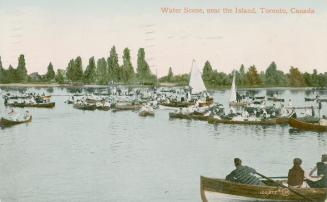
233	97
198	88
196	83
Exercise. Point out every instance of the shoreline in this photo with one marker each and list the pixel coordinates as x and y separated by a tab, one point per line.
48	85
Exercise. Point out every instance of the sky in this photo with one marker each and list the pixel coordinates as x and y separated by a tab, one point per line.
56	31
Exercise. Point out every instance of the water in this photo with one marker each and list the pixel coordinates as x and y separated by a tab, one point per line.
66	154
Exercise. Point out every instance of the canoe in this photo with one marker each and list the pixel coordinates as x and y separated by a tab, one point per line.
276	99
306	99
7	122
85	107
173	115
37	105
272	121
177	104
126	107
245	192
307	126
146	113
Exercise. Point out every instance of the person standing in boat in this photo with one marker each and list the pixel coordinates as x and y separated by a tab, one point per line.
243	174
321	168
296	174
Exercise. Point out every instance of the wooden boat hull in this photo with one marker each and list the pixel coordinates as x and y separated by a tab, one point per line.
144	113
276	99
39	105
173	115
85	107
258	193
238	104
307	126
177	104
212	120
6	122
127	108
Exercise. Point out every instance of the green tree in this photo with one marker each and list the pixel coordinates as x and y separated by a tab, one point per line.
78	70
102	72
253	77
21	72
11	75
113	66
90	72
207	73
70	70
127	68
274	77
50	75
143	70
2	72
295	77
241	76
170	75
60	76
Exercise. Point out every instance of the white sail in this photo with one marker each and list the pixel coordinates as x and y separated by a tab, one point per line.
196	83
232	97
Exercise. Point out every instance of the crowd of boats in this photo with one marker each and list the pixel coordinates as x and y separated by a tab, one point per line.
190	102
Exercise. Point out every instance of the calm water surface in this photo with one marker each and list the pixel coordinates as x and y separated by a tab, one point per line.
71	155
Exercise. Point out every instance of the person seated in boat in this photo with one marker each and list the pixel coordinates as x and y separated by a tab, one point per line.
296	174
27	115
323	120
290	104
321	168
243	174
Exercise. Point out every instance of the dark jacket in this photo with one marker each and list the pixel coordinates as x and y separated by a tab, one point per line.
244	175
295	176
321	170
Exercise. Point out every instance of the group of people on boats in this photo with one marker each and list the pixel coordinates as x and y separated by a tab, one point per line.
296	175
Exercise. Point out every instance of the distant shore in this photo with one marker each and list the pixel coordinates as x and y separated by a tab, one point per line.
48	85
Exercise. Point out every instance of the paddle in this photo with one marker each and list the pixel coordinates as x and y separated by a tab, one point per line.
280	184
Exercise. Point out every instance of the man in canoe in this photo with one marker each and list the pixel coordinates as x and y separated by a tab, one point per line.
243	174
296	174
321	168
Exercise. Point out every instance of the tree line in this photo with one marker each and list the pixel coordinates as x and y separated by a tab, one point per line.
101	71
105	70
250	77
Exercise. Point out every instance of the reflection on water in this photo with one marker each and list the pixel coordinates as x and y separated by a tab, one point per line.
71	155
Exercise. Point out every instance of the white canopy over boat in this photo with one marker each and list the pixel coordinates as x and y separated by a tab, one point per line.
196	82
232	97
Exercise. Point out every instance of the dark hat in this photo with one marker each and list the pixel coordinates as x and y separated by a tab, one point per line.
297	161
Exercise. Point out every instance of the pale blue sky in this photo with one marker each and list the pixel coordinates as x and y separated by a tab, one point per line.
56	31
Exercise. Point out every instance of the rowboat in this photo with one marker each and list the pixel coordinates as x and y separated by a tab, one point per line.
276	99
214	120
177	104
36	105
8	122
85	106
307	126
174	115
243	192
306	99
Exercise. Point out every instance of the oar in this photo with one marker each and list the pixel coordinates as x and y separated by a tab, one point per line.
281	185
281	177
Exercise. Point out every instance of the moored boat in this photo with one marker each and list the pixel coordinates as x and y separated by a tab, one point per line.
10	122
36	105
245	192
269	121
301	125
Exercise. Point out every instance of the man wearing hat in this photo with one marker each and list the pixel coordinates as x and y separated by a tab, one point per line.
296	174
321	169
243	174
